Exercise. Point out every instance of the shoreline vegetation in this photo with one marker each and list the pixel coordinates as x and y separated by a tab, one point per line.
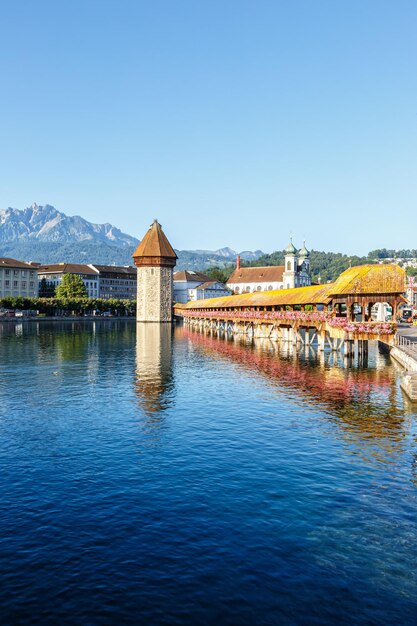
11	307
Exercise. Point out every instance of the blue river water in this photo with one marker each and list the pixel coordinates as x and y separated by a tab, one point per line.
150	477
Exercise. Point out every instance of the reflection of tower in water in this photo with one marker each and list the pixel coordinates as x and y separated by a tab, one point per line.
154	379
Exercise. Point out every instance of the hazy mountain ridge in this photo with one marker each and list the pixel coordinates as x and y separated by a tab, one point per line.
102	253
44	234
47	224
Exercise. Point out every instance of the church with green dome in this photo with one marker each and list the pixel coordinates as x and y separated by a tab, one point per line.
294	273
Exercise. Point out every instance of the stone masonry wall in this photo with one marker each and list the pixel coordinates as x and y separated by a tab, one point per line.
154	294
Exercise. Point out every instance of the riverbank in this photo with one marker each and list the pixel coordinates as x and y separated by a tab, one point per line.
68	318
407	358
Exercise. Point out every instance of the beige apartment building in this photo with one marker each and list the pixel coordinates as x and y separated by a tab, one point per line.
17	279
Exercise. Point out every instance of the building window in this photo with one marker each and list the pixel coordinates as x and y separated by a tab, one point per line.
7	272
24	284
7	283
288	266
15	283
16	273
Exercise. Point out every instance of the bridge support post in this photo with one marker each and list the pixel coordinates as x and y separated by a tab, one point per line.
349	348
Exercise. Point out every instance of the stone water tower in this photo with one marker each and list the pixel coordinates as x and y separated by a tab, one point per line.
155	260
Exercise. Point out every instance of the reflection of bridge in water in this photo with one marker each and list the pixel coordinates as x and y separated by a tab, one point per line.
338	313
363	401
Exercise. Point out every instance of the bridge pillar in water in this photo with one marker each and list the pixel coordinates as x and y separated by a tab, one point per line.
349	348
321	340
155	259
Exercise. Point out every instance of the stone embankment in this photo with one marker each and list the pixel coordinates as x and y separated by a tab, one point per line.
405	353
67	318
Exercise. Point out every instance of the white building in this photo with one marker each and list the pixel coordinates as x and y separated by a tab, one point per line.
189	285
18	279
294	273
115	281
186	280
210	289
54	274
411	292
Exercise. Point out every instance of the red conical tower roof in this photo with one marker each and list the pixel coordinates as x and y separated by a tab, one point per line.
155	249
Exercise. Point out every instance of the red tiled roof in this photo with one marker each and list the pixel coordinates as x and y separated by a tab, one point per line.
67	268
190	277
5	262
270	274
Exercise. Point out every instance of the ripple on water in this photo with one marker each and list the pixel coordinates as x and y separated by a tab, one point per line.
158	478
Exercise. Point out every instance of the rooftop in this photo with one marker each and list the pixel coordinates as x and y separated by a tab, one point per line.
13	263
364	279
190	277
155	244
67	268
116	269
269	274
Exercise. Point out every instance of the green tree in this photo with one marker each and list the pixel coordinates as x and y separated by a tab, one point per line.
46	289
220	274
71	286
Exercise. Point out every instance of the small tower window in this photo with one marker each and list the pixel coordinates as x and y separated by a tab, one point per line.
288	266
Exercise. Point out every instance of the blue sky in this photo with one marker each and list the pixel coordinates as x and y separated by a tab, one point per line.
232	122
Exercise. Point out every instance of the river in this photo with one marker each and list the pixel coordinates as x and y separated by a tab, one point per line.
158	477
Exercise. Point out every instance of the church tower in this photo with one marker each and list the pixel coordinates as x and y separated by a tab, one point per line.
155	260
290	271
304	266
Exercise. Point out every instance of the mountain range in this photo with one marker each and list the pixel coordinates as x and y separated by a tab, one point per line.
44	234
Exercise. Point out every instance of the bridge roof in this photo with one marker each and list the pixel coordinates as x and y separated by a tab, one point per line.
316	294
364	279
370	279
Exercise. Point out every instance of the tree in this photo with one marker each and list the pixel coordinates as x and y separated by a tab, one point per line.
71	286
221	274
46	289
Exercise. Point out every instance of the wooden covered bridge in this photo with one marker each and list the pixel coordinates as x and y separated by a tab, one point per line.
338	313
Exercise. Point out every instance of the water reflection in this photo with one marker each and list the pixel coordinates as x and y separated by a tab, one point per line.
154	378
363	403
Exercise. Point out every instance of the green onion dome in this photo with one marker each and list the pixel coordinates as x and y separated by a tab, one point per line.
290	249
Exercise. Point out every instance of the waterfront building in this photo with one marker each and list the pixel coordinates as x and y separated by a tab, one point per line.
186	280
294	273
118	282
155	259
412	291
17	279
209	289
54	274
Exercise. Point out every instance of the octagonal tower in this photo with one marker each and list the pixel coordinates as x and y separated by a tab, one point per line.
155	259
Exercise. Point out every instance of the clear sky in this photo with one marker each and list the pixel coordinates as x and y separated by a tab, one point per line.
233	122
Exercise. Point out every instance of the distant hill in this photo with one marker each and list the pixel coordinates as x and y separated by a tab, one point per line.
44	234
102	253
325	266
